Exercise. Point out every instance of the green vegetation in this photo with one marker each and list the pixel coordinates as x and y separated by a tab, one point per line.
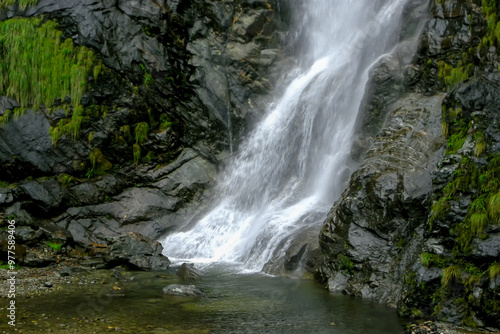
450	274
38	67
148	78
454	75
346	264
494	271
141	132
65	179
99	162
489	8
428	260
137	153
494	207
55	246
6	266
22	3
165	122
68	126
480	144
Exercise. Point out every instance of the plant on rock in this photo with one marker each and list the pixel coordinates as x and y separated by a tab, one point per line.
141	134
99	163
22	3
451	274
38	67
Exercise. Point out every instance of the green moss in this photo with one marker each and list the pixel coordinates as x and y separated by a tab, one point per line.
97	71
99	161
54	245
494	271
125	130
65	179
346	264
428	260
69	127
141	132
137	153
165	122
453	75
91	136
148	78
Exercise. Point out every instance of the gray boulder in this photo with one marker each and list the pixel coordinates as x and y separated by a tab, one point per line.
136	251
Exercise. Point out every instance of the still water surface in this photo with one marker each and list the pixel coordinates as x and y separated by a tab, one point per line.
234	303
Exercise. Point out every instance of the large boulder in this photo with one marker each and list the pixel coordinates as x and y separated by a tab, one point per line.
136	251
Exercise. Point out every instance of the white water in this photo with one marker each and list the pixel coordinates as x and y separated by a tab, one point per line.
294	165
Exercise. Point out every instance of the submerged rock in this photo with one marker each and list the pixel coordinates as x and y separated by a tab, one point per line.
182	290
187	273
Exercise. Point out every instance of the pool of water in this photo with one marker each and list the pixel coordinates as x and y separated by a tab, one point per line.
234	303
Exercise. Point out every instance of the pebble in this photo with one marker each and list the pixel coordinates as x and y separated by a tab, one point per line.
48	284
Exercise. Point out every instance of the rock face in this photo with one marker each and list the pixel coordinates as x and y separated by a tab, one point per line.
417	227
387	199
193	73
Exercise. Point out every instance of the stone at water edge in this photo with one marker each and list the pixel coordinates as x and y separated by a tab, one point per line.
137	251
182	290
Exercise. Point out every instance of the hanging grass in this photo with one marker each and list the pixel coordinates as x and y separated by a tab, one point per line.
137	153
480	144
22	3
450	274
38	67
478	222
494	208
141	132
494	271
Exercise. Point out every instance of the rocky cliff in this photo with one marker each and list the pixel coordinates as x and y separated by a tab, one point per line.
418	228
115	115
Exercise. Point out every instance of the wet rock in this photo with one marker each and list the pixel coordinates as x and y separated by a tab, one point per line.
211	63
182	290
188	273
338	282
6	196
386	200
48	284
136	251
26	150
27	235
488	248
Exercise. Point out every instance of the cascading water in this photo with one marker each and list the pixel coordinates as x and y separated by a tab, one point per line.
293	166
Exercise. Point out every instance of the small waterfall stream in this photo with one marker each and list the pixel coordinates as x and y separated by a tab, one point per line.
295	164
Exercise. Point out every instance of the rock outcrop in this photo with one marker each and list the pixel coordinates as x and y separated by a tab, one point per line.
172	88
417	227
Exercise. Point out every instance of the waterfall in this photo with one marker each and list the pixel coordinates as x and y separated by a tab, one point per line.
295	164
